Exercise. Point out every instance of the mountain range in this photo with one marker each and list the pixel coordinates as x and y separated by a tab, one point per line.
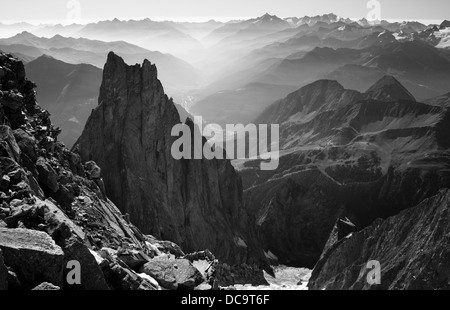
363	174
344	154
176	73
354	54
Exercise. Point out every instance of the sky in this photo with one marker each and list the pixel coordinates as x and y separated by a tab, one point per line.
64	11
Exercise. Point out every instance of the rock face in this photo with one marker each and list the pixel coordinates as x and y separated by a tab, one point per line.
344	154
413	249
194	203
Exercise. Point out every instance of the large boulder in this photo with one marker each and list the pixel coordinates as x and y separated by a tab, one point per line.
173	273
33	255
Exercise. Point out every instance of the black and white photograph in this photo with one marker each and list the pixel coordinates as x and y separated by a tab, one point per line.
224	150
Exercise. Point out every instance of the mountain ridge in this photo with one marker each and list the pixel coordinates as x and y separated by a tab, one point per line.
343	154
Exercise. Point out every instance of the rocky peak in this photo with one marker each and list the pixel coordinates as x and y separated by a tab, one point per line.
388	88
321	95
445	24
195	203
26	35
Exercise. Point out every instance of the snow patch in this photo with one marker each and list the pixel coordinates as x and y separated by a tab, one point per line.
149	278
97	257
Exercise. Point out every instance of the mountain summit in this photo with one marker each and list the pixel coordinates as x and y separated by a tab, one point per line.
445	24
388	88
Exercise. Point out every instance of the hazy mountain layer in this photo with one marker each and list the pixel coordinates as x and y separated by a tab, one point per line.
176	73
69	92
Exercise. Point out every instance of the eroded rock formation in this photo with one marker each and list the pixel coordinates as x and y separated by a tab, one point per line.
195	203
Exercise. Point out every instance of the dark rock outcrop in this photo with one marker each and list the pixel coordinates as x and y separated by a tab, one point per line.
194	203
412	248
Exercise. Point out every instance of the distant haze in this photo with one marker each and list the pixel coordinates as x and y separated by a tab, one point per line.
56	11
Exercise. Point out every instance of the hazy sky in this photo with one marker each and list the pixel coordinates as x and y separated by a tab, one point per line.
52	11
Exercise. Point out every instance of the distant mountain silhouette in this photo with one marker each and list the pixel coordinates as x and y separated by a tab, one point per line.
389	89
175	72
69	92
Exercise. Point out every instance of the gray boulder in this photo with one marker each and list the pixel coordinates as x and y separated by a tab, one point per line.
173	273
34	250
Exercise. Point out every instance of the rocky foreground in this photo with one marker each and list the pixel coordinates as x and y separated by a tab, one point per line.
413	249
59	230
